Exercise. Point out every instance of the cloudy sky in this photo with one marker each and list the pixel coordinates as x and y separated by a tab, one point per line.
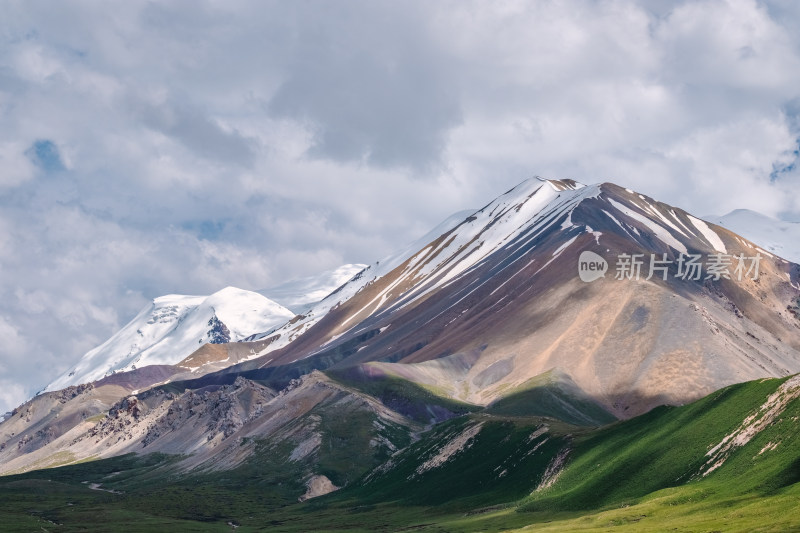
151	148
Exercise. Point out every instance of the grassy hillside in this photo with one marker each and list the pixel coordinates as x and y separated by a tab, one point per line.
476	472
494	461
409	399
667	447
552	395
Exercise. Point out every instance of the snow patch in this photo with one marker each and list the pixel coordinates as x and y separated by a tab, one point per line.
660	232
302	294
564	247
779	237
596	234
709	234
764	252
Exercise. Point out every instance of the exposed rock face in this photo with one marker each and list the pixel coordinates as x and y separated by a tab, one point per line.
318	485
752	425
73	391
218	334
50	422
219	427
458	443
210	414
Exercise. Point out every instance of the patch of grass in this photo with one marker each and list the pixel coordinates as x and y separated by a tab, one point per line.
96	418
55	460
420	403
501	463
348	450
552	396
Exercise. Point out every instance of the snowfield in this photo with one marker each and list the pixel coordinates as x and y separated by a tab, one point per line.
172	327
777	236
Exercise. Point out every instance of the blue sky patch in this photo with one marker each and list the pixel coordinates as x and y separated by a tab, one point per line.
45	155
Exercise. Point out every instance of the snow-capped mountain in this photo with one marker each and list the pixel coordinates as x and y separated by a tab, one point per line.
172	327
492	299
301	294
486	308
776	236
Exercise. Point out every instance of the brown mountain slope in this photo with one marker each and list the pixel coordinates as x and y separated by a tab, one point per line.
497	300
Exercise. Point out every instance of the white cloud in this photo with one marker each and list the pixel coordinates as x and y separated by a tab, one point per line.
731	44
12	344
12	394
17	168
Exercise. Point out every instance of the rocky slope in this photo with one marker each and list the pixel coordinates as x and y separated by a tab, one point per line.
216	428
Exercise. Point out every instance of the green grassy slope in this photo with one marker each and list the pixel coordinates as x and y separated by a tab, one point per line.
500	463
554	396
666	447
642	474
403	396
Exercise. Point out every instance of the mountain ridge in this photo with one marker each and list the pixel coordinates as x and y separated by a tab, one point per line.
605	216
476	472
486	313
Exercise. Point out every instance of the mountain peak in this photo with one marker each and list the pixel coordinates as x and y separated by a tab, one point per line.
480	286
172	327
495	297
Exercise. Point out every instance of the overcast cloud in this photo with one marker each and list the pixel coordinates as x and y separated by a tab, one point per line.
181	147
